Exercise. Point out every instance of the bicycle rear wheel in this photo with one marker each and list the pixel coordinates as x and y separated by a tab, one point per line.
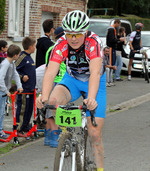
63	155
146	73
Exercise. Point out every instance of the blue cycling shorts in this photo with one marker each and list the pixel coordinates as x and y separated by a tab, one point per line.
76	86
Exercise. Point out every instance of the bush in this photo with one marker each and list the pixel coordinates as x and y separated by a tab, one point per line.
2	15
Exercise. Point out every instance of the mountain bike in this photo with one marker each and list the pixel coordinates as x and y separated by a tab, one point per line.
145	66
74	152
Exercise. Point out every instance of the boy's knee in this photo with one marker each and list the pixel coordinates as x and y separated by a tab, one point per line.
95	136
54	101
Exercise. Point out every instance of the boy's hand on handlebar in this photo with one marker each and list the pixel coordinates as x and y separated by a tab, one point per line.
91	103
40	102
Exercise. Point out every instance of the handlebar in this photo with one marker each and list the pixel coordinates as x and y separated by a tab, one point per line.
69	107
142	51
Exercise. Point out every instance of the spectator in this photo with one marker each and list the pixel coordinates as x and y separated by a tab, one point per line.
111	41
8	72
44	42
118	53
108	67
135	44
51	130
3	50
26	69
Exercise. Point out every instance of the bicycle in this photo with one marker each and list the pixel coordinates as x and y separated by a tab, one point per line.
74	149
145	66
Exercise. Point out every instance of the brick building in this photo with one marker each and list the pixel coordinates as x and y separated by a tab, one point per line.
25	17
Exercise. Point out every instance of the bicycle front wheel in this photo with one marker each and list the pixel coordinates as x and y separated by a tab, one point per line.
146	73
86	152
64	156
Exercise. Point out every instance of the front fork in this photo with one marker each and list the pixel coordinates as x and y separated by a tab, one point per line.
73	150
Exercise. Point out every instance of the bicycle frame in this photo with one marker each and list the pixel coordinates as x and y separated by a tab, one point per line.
73	141
144	62
73	145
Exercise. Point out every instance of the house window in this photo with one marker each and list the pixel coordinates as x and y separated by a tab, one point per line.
13	18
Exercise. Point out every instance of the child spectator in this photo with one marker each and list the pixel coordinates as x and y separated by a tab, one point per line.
26	69
3	50
8	72
51	131
108	67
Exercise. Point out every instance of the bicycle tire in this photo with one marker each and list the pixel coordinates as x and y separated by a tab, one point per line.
64	143
146	73
88	163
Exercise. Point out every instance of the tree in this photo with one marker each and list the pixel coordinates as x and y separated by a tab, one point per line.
137	7
2	15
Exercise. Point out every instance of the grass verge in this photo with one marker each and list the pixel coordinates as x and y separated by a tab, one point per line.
8	148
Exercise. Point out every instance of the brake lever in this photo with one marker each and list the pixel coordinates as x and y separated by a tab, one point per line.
92	112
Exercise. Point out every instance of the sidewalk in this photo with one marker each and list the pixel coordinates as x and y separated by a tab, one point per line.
128	93
124	94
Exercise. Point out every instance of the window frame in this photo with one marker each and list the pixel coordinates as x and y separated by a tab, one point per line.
13	18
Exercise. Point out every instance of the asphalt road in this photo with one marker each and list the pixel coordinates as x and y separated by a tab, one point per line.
126	143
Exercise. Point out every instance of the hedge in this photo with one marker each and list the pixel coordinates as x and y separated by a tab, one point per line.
2	15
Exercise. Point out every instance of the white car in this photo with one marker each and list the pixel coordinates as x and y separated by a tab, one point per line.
137	65
100	27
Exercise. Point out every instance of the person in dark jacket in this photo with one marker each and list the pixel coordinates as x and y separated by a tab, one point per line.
111	41
44	42
111	38
26	68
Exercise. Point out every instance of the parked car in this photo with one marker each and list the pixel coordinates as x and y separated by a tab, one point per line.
137	65
100	26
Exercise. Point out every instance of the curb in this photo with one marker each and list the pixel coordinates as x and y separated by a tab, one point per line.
130	103
23	140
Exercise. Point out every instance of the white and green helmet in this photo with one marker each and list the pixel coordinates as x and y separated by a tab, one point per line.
76	21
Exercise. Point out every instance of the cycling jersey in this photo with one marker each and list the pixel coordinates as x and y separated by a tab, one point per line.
135	37
62	68
77	61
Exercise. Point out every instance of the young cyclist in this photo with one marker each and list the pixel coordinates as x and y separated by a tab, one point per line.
82	52
135	44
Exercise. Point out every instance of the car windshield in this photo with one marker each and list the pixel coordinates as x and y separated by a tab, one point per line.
145	40
100	28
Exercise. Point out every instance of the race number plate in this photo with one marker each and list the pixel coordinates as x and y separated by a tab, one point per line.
70	118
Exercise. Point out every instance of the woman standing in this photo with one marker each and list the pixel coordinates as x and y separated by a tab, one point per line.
119	49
